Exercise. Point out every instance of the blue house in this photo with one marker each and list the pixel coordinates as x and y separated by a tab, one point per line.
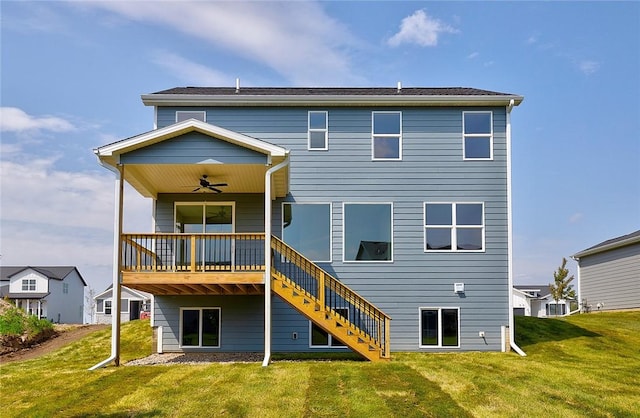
321	219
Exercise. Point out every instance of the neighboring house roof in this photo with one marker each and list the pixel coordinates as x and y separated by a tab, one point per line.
328	95
610	244
534	291
50	272
139	293
27	295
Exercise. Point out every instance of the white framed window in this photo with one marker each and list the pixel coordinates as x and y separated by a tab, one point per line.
319	338
182	115
99	305
200	327
318	136
439	327
107	307
386	141
367	232
307	228
454	227
28	285
477	133
124	306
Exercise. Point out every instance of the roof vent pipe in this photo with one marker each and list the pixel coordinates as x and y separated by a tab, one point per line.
399	86
237	85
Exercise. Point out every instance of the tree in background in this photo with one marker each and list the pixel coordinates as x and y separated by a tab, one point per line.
90	304
562	288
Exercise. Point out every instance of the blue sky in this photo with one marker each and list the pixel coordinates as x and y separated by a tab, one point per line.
72	74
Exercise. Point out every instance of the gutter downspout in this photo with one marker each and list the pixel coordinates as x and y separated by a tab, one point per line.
267	259
115	290
512	341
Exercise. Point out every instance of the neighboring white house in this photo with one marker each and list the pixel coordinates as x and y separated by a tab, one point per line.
609	274
52	292
134	303
536	300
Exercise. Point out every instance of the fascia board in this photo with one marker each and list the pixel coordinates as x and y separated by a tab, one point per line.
326	100
612	246
180	128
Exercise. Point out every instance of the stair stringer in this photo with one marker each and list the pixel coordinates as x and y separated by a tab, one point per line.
309	306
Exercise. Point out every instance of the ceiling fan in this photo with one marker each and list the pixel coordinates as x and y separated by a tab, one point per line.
206	185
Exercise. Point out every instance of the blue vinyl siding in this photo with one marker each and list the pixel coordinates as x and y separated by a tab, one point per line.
431	170
193	148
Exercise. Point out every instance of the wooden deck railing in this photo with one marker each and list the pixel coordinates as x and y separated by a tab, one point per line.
192	252
364	318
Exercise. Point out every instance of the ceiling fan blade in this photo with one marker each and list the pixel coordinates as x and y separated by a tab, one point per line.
195	190
214	189
219	184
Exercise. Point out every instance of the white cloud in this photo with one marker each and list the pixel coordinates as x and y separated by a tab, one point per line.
296	39
190	72
13	119
588	67
576	217
473	55
421	29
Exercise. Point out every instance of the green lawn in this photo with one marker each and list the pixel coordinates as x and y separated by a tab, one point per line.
582	366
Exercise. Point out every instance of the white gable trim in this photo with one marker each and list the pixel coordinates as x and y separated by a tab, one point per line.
181	128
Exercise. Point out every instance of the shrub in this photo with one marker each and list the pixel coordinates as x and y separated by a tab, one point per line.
12	322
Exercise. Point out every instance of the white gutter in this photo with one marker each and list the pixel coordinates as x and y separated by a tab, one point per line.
512	341
115	308
267	259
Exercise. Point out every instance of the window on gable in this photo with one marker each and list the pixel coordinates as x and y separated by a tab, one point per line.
368	232
387	136
182	115
307	228
439	327
454	227
318	131
320	338
28	285
200	327
477	135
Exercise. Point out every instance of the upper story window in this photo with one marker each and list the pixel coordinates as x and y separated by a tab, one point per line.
368	232
386	136
454	227
477	135
65	288
318	131
182	115
28	285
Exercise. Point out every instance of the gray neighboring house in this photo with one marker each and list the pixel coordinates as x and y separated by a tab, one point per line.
134	303
316	219
609	274
52	292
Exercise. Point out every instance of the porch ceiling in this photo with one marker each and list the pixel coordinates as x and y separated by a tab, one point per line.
151	179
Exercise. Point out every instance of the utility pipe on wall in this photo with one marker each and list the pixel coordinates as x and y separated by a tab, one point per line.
267	258
512	341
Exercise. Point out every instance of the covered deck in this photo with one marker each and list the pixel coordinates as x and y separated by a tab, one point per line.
194	264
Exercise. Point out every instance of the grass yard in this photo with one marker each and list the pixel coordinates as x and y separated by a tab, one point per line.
582	366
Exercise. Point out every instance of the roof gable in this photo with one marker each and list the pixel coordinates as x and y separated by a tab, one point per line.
50	272
108	152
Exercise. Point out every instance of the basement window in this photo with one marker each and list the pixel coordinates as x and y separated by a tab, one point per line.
200	327
439	327
320	338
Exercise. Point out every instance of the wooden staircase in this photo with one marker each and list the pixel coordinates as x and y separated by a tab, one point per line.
323	300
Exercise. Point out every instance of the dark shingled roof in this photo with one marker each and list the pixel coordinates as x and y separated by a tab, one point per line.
612	243
52	272
332	91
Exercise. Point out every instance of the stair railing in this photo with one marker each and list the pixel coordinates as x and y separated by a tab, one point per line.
364	318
